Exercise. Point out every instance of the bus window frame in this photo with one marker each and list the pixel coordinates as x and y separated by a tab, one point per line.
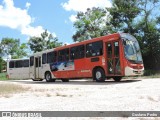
79	51
64	51
31	61
100	52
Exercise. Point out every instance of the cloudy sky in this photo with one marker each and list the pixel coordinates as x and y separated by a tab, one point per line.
24	18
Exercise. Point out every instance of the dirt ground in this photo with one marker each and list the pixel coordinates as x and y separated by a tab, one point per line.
84	95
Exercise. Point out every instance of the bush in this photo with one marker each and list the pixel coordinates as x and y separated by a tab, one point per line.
151	72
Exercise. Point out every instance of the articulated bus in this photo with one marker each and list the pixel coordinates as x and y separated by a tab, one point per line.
110	56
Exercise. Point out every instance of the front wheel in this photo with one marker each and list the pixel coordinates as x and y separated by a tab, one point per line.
117	78
48	77
99	75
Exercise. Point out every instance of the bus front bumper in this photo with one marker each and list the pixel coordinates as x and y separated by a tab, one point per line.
133	72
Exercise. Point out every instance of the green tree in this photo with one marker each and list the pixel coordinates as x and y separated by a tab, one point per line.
136	17
148	34
44	42
10	46
3	65
122	15
90	24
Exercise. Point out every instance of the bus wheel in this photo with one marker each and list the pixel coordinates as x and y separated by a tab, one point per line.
117	78
99	75
48	77
65	80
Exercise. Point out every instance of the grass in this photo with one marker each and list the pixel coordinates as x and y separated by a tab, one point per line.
152	73
3	76
9	89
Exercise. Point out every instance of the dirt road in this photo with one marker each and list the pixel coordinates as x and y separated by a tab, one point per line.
85	95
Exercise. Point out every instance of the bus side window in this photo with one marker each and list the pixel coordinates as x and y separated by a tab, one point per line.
44	58
94	49
55	56
11	64
31	60
18	64
63	55
25	63
50	57
77	52
81	51
72	53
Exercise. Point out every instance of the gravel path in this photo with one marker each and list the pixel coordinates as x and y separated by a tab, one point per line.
85	95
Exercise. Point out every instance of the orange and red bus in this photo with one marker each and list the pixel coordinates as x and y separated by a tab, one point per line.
111	56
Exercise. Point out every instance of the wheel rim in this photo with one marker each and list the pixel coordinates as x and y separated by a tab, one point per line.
48	77
98	75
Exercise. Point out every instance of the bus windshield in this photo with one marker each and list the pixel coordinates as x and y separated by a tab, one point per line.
131	48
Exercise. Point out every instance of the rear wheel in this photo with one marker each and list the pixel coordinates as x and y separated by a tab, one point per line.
117	78
48	77
65	80
99	75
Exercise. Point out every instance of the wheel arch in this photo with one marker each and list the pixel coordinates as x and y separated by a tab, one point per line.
47	72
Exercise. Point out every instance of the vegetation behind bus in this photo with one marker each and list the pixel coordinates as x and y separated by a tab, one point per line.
44	42
136	17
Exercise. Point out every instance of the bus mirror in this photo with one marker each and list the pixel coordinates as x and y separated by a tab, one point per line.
124	42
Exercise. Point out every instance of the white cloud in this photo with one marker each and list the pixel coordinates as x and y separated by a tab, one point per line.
17	18
32	31
28	5
82	5
73	18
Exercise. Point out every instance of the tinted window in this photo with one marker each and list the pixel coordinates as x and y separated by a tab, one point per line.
44	58
55	56
25	63
109	50
18	64
63	55
36	60
39	61
77	52
11	64
31	61
51	57
116	49
94	49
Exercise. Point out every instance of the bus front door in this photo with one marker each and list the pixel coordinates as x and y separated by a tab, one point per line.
38	67
113	58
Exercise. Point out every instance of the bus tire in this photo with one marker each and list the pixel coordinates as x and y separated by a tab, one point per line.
117	78
65	80
99	75
48	77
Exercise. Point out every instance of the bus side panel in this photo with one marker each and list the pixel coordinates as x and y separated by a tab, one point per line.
18	73
31	72
93	62
80	67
